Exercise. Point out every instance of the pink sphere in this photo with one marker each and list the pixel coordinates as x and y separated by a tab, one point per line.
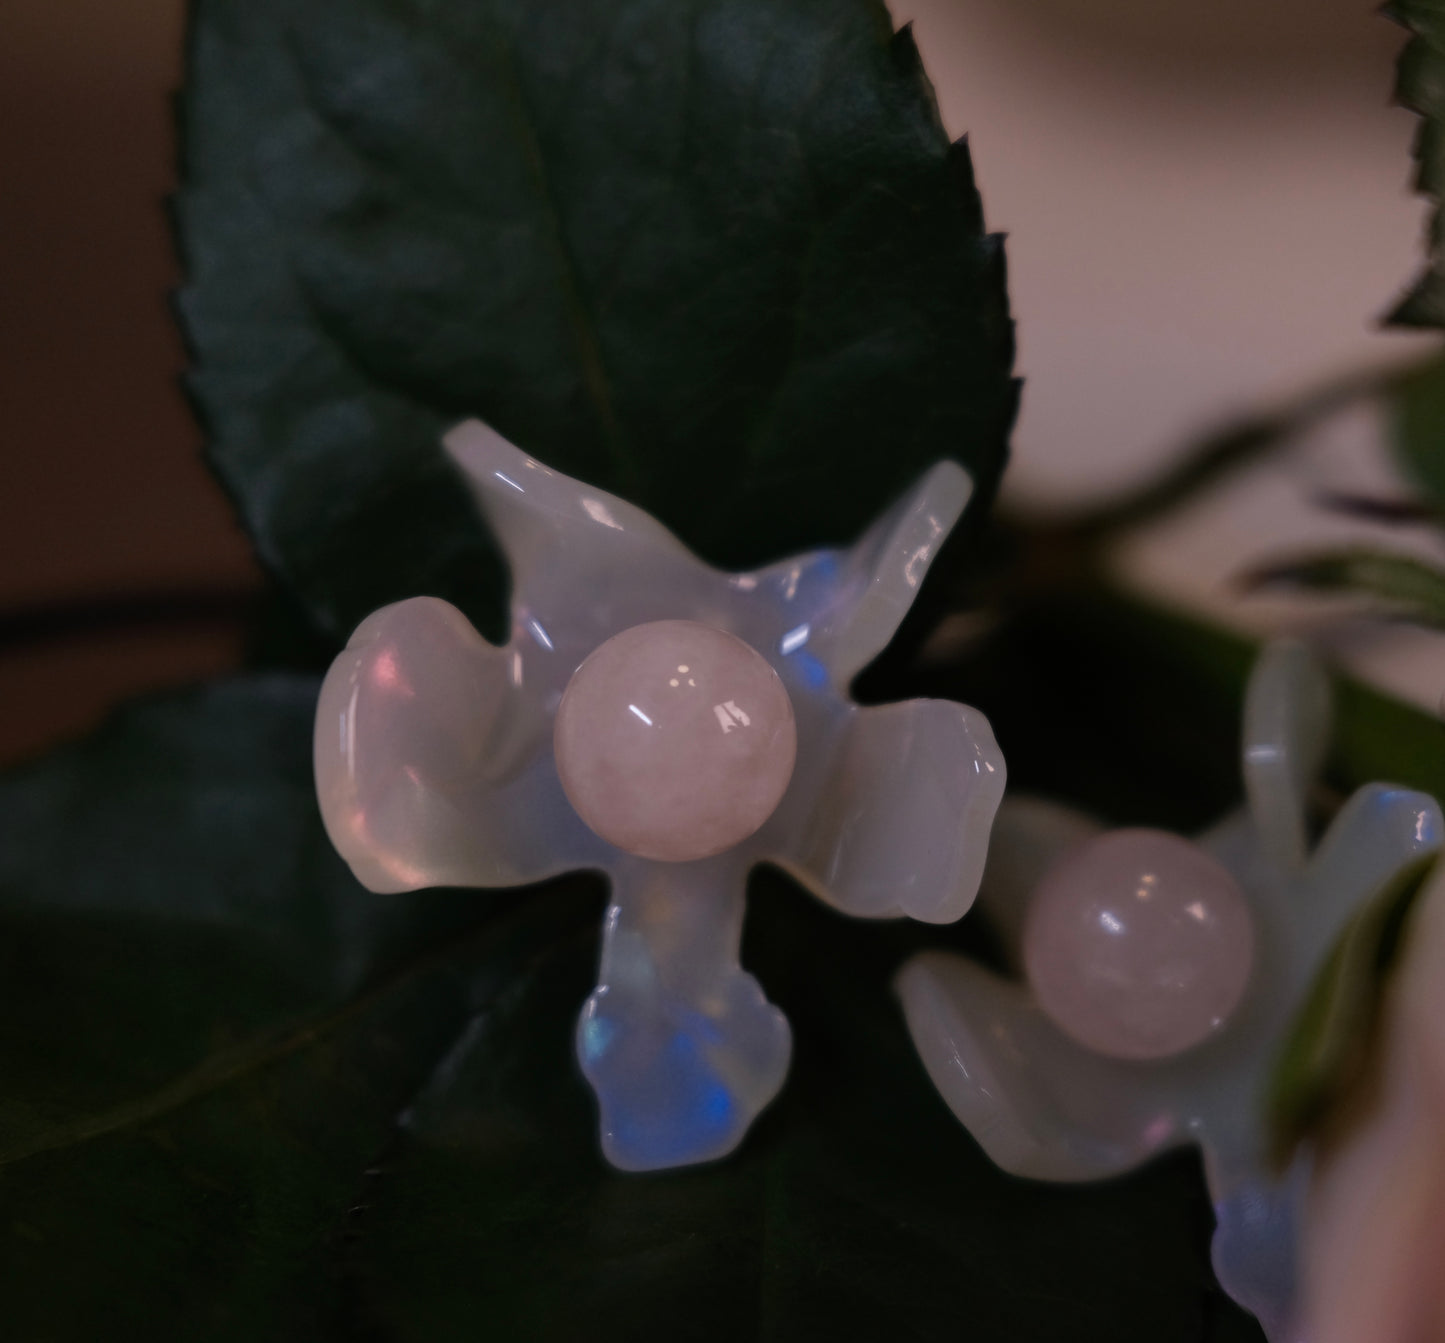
675	740
1138	944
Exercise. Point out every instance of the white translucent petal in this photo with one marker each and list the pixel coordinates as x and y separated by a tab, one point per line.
678	1041
1030	834
852	601
1254	1248
432	769
825	614
1286	732
534	509
1038	1104
899	808
585	564
1380	830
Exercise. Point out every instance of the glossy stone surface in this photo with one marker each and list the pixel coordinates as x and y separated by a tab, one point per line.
1045	1106
1138	944
435	765
675	740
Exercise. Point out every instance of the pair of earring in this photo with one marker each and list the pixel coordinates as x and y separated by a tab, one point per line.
674	725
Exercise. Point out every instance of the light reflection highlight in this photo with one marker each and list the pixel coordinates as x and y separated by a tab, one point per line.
348	733
730	716
599	512
388	675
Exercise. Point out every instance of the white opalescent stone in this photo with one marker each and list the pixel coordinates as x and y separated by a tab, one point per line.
417	742
1046	1106
680	1045
1287	706
1138	944
435	765
675	740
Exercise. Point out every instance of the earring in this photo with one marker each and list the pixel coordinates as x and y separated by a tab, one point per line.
672	726
1159	977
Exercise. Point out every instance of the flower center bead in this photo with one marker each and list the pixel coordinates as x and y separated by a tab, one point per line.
675	740
1138	944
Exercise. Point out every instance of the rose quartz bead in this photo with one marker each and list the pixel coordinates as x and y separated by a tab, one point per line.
675	740
1138	944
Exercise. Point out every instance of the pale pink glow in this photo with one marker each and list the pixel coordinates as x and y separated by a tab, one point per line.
1159	1129
386	673
707	772
354	820
406	875
403	873
1139	944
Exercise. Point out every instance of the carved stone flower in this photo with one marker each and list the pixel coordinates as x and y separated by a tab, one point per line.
701	722
1186	964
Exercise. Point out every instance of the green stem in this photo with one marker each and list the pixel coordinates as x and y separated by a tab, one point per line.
1245	440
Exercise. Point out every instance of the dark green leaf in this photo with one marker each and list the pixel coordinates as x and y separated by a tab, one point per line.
717	257
1417	426
859	1208
1327	1055
246	1101
1392	510
1143	726
1420	86
1404	586
207	1028
168	893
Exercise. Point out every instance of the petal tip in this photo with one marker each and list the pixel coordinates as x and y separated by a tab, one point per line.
483	455
980	808
948	487
676	1087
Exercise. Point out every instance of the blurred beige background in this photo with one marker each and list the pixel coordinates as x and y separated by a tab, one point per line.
1207	208
1206	205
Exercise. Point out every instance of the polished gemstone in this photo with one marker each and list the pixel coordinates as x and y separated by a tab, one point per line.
1139	944
675	740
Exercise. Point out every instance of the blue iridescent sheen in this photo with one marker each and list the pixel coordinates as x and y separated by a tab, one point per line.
661	1090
